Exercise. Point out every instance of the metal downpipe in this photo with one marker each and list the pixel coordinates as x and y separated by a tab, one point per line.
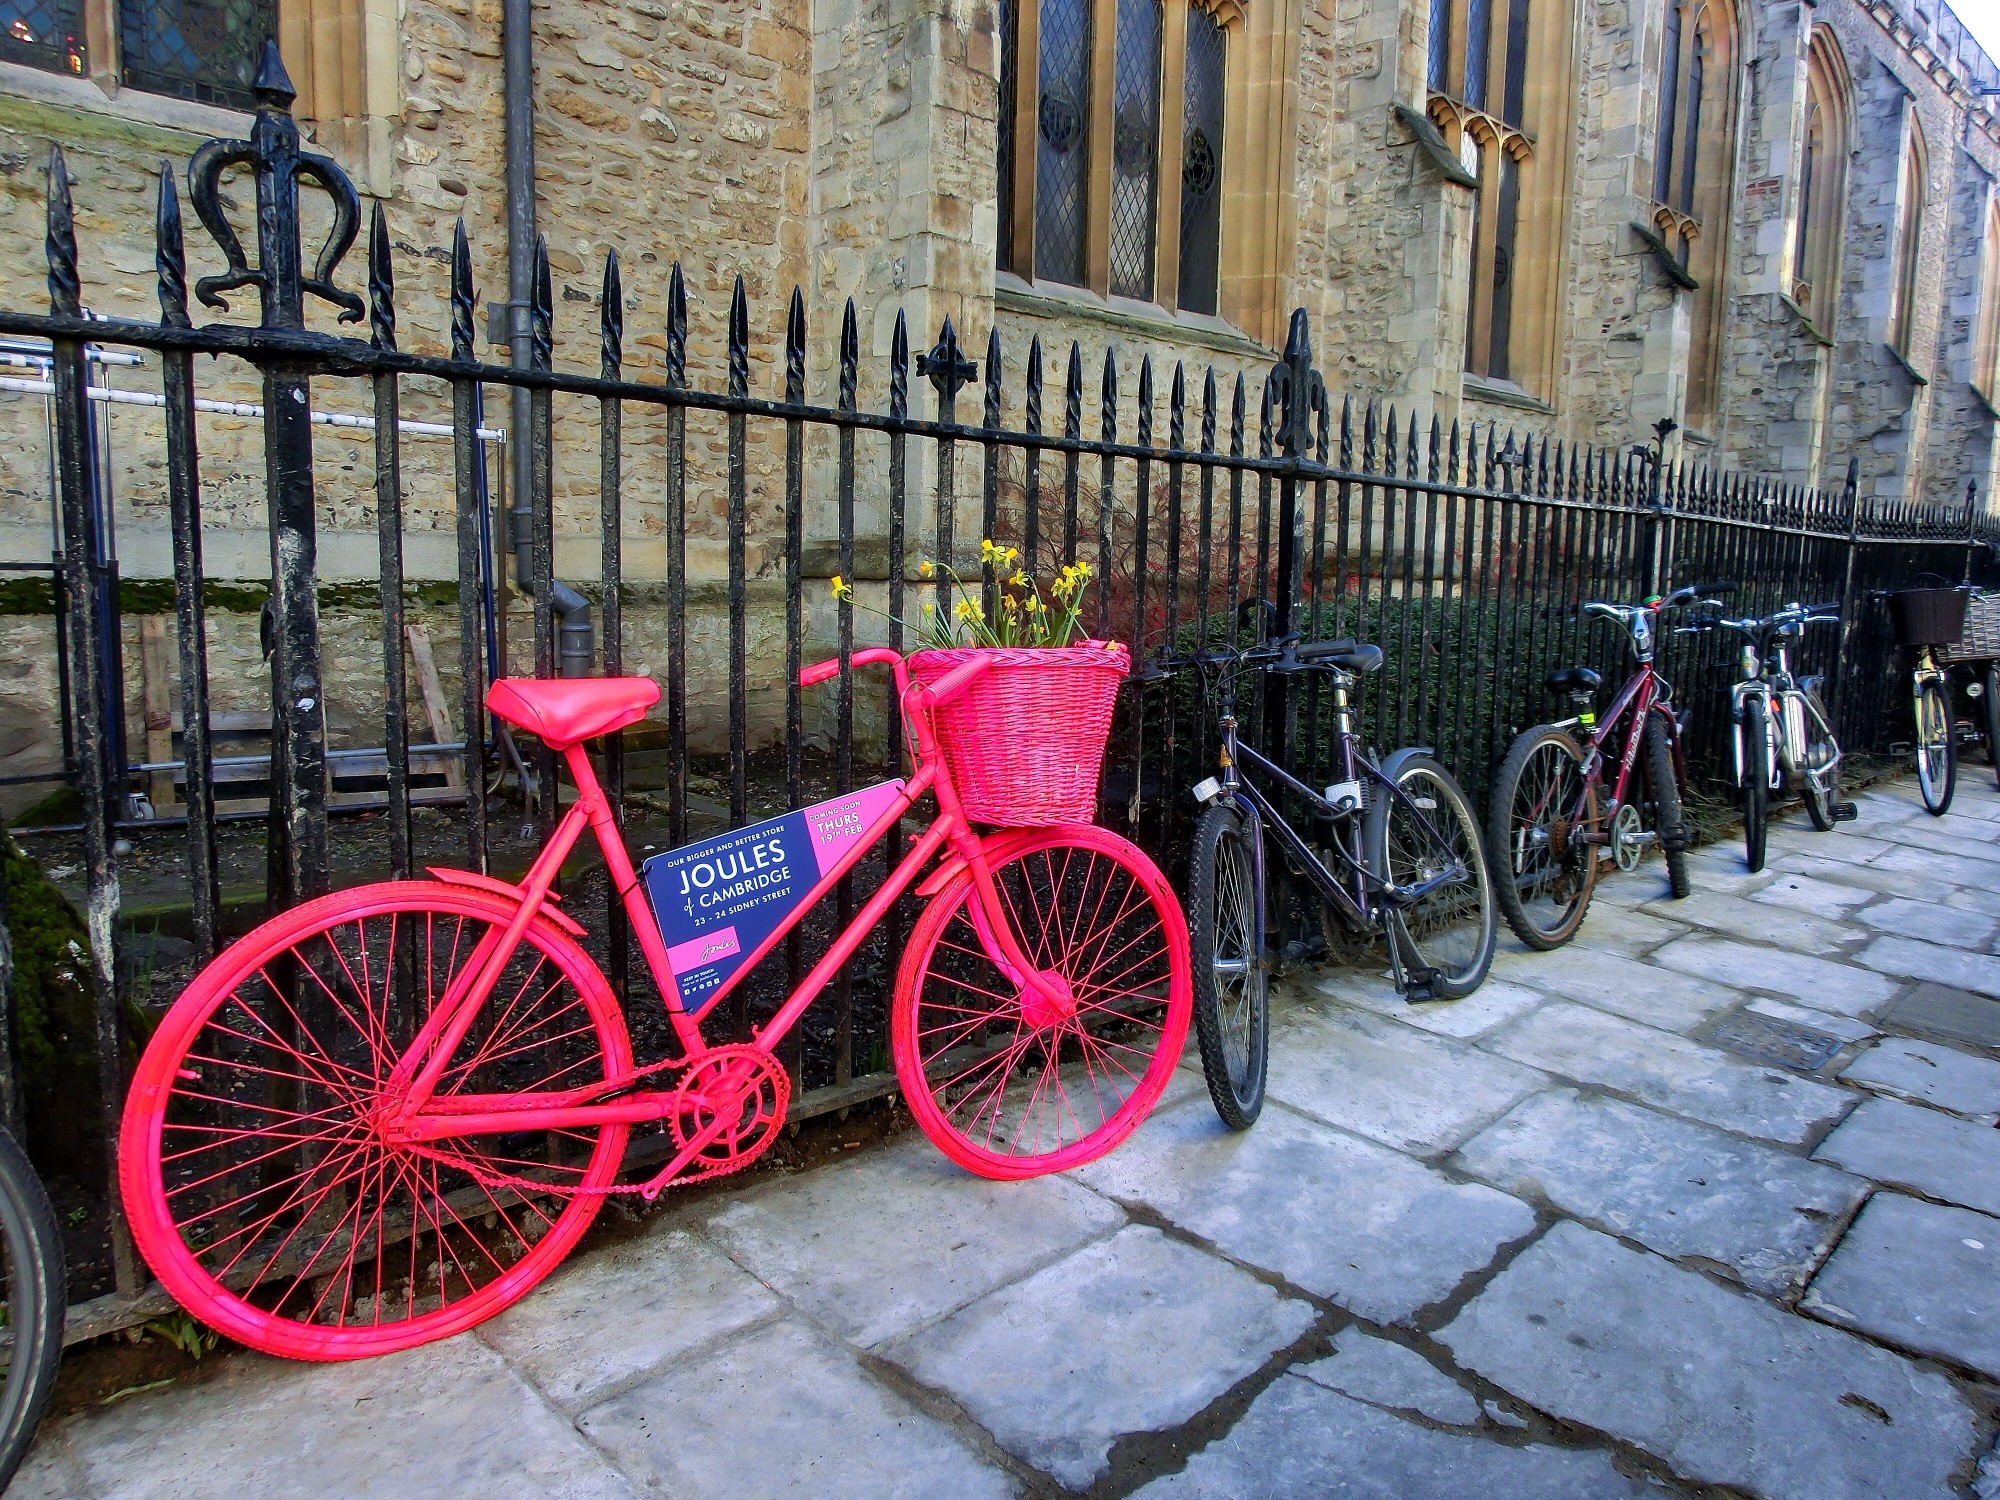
575	644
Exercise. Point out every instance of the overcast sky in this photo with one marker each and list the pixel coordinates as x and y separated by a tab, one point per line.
1982	18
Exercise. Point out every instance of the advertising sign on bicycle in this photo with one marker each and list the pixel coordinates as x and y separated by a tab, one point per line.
718	899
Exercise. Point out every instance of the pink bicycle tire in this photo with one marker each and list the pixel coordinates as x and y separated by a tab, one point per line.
174	1067
1085	903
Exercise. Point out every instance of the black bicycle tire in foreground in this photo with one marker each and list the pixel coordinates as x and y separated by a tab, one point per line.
36	1303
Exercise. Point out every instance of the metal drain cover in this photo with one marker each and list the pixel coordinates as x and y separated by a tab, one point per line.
1766	1039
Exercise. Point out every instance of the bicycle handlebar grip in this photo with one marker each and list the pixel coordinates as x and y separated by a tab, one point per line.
957	680
1314	650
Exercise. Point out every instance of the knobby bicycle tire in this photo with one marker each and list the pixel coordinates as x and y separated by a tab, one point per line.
36	1302
1512	851
1232	1021
1669	819
1755	786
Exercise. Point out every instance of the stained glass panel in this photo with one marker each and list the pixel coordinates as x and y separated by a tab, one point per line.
195	49
45	34
1201	164
1062	140
1135	147
1004	144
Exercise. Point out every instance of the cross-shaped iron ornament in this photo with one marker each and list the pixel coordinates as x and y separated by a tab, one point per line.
273	154
946	366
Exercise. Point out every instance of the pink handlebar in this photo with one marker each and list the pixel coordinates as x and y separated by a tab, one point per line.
945	688
826	671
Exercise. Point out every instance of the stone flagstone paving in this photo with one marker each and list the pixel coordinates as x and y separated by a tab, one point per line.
1553	1241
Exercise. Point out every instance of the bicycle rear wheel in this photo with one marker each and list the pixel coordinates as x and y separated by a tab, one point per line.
35	1299
1543	870
1755	785
1669	818
1420	837
1004	1083
1232	1015
1937	747
256	1172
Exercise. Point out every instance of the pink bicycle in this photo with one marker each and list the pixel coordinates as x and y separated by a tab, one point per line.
382	1117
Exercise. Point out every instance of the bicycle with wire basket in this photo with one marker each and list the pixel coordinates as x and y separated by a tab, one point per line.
1546	828
1947	626
382	1117
1781	734
1395	855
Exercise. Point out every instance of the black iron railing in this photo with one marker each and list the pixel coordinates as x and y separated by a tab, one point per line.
1462	550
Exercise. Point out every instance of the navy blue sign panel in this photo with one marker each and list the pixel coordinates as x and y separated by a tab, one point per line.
718	900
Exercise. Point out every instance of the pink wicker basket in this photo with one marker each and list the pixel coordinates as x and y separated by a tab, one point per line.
1025	742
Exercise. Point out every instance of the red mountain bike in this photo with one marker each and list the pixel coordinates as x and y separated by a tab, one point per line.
382	1117
1550	821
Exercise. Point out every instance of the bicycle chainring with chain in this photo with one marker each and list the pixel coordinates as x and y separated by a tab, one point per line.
746	1090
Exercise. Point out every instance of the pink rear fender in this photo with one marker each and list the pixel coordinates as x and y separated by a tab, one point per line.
501	888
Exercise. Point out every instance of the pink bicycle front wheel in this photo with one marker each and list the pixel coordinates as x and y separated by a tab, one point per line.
260	1181
1007	1083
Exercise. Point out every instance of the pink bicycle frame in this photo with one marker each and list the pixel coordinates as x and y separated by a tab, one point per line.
424	1118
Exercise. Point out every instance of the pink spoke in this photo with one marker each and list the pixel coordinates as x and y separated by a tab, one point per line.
290	1143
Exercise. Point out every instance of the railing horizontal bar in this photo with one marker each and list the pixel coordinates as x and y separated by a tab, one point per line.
337	356
456	747
422	797
243	409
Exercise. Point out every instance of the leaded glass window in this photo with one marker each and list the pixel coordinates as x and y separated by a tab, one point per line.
1062	141
1201	164
1506	220
1670	87
1135	147
195	49
45	34
1121	191
1478	50
1010	35
1438	71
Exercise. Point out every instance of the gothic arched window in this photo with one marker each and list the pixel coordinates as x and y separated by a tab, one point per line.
1498	75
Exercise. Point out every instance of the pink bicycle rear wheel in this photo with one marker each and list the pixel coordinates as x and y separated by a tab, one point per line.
1006	1084
260	1184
